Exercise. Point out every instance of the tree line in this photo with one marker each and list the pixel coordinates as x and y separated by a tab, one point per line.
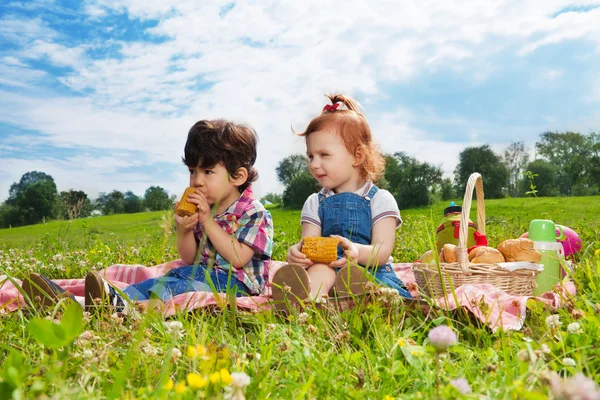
35	198
565	164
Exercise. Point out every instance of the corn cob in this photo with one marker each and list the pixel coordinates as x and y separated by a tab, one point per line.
320	249
185	208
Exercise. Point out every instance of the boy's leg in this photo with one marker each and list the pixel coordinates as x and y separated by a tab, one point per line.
97	291
322	279
225	281
42	291
290	284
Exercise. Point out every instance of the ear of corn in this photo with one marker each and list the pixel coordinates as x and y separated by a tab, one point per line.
185	208
320	249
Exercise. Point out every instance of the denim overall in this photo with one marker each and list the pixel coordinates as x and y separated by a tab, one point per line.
191	278
349	215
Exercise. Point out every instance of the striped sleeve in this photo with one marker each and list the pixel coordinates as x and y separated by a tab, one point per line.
383	205
310	211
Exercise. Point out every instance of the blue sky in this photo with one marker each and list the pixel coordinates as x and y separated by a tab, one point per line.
100	93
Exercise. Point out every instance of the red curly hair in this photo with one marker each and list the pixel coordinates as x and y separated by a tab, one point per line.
354	130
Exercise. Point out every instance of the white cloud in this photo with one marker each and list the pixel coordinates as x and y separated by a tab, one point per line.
267	64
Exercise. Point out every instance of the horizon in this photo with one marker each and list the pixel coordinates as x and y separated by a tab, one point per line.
100	95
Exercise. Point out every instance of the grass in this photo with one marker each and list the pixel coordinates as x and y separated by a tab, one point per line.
375	350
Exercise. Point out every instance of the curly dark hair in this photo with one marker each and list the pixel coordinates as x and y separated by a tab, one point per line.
222	142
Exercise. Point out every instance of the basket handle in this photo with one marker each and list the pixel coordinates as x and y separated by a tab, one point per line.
475	183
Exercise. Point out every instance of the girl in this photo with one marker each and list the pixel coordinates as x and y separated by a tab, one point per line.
346	162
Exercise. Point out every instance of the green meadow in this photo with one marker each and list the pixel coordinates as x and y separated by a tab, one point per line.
377	350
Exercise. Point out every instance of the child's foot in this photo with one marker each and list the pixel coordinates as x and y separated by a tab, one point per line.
42	291
98	293
350	279
290	285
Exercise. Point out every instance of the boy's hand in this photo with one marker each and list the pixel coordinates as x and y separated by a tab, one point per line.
199	199
350	250
295	256
204	213
186	223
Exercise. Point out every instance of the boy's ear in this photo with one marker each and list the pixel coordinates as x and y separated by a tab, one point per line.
241	177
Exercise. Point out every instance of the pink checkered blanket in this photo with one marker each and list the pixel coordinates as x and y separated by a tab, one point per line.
490	305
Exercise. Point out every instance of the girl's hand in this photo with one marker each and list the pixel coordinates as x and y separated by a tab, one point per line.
186	223
350	249
295	256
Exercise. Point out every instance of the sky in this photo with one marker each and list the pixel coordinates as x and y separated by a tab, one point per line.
100	94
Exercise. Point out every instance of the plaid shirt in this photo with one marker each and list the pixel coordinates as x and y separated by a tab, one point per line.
250	223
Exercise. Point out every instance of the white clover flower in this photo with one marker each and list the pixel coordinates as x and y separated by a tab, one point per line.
175	353
148	349
87	353
553	321
302	317
240	379
462	385
175	328
442	337
574	328
545	349
569	362
578	387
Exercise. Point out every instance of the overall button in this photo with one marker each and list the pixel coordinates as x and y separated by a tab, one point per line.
388	269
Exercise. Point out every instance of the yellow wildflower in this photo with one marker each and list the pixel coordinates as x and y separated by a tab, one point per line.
215	377
388	397
196	351
401	342
196	381
597	253
226	378
169	384
180	387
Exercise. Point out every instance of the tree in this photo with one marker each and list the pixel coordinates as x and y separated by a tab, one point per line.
73	204
515	158
112	203
274	198
481	159
290	167
298	189
132	203
593	171
570	153
10	216
157	199
545	181
411	181
33	197
447	189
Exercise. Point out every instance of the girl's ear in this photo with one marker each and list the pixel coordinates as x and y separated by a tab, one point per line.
359	156
241	177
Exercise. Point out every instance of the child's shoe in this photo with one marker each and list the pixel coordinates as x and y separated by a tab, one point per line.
98	292
290	285
42	291
351	279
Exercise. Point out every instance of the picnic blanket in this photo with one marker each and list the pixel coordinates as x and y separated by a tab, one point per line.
490	305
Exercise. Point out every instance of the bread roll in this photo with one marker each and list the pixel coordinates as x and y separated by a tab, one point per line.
449	253
427	257
519	250
485	254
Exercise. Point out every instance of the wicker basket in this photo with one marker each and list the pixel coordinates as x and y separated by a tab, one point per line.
438	281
